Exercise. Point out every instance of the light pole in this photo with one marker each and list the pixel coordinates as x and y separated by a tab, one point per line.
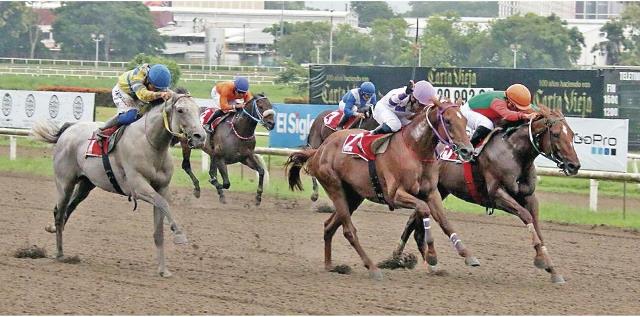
97	39
244	39
331	40
514	49
317	54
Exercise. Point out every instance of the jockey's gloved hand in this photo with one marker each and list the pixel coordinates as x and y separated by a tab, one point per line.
409	88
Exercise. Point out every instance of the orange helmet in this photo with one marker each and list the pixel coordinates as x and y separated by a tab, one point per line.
520	96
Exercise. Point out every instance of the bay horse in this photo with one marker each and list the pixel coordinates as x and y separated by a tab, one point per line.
407	174
141	164
234	141
508	176
319	132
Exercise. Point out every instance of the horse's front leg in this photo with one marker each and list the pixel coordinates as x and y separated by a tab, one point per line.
186	166
542	259
314	194
405	199
434	200
254	163
213	174
140	188
158	237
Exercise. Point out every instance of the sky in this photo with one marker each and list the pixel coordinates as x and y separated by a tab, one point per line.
397	6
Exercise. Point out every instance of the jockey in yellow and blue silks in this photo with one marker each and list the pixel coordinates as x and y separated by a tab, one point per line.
141	85
356	102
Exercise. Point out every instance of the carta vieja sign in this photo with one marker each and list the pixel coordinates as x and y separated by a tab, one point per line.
576	92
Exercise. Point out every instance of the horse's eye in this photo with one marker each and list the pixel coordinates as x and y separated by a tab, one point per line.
180	110
447	121
556	135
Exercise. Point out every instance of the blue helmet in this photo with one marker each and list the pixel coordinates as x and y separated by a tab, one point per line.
368	88
242	84
159	76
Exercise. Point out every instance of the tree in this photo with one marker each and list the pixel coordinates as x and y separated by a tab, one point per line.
448	42
544	42
288	5
369	11
127	28
300	39
14	27
631	20
612	47
420	9
351	46
390	44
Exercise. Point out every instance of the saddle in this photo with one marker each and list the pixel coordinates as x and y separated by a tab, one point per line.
366	145
112	134
206	115
446	153
332	119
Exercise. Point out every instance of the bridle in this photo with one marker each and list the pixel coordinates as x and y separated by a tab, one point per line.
553	154
440	120
166	119
256	117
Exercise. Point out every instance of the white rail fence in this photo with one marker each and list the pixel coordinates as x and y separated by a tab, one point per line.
593	176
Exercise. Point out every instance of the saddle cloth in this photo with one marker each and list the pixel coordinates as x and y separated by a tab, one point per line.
366	145
113	135
446	153
332	119
206	115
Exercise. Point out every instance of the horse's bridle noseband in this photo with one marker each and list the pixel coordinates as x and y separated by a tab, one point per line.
440	120
258	118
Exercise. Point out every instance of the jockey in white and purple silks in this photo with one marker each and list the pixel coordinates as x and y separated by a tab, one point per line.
356	102
393	110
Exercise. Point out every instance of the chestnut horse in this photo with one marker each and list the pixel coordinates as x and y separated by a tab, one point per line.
320	132
407	174
509	175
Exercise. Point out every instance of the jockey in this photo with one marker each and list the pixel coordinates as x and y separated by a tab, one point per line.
356	102
228	96
141	85
484	110
393	110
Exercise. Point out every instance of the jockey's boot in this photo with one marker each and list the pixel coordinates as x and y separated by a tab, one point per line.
112	122
215	115
480	133
382	129
342	122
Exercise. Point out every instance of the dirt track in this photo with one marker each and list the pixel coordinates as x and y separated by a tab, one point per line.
268	260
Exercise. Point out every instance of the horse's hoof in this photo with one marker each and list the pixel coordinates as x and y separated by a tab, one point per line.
223	200
314	197
258	201
165	273
50	228
226	185
376	275
196	193
180	238
471	261
557	279
431	268
432	260
539	263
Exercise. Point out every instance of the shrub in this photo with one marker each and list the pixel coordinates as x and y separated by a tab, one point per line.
103	95
150	59
297	100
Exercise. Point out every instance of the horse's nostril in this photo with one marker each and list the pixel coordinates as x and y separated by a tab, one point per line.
197	136
464	151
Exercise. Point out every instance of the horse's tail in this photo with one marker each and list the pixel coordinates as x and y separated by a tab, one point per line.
48	131
263	164
296	161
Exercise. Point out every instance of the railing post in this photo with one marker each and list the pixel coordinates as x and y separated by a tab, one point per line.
204	161
12	148
635	167
593	195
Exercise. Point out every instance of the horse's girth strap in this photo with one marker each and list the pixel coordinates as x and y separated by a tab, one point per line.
375	181
109	171
471	184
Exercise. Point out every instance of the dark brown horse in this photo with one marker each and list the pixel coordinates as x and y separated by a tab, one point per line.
407	174
234	141
319	132
509	176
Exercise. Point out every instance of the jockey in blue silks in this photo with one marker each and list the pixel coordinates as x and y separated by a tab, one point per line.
356	102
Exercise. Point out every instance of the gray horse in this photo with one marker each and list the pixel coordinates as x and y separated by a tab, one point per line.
141	163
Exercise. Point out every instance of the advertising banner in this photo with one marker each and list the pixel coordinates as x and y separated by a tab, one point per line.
293	123
21	108
601	144
622	100
577	93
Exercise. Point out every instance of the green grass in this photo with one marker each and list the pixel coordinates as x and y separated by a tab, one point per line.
276	93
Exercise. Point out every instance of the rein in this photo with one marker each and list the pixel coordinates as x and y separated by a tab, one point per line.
440	120
258	118
166	121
